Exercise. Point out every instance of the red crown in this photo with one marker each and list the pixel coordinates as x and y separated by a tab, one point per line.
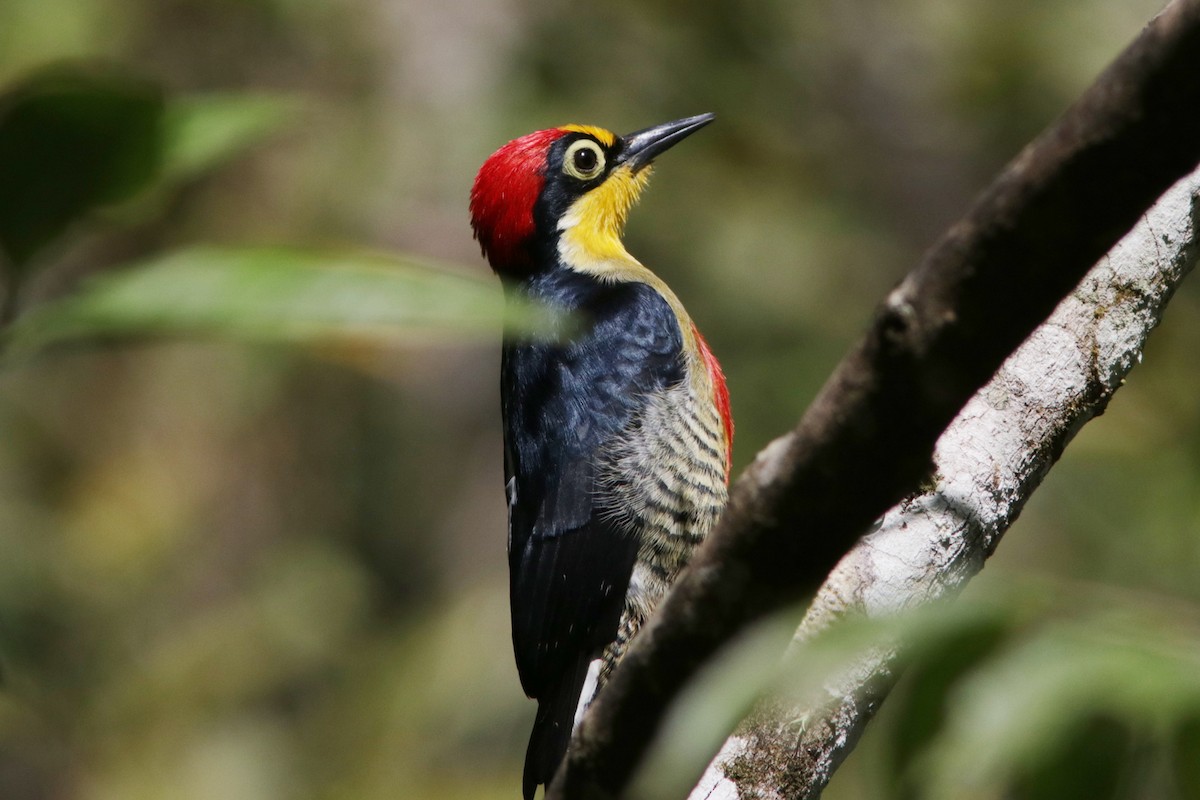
502	199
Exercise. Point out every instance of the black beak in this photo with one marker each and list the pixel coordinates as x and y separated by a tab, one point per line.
638	149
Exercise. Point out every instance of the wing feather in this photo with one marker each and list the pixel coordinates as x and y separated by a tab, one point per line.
565	407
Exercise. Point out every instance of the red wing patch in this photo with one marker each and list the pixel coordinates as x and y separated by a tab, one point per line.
720	397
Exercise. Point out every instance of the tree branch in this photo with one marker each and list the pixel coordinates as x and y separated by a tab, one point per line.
989	461
868	437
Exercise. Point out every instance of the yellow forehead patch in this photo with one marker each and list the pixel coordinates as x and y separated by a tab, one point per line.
605	137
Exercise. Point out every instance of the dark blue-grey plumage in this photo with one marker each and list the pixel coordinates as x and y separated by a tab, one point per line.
565	405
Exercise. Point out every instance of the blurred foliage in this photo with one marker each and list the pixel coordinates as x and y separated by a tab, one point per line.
201	132
69	142
1075	703
275	295
1032	690
268	562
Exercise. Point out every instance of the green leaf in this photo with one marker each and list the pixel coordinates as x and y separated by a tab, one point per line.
922	701
1086	762
202	131
1186	757
277	295
1012	716
71	141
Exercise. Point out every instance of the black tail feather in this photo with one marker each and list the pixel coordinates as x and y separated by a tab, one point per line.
552	728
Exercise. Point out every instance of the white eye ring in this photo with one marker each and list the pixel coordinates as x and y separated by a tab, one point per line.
583	160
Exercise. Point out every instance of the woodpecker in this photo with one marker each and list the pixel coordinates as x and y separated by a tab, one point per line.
617	435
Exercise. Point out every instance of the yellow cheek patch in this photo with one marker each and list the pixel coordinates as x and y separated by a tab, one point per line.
605	137
592	227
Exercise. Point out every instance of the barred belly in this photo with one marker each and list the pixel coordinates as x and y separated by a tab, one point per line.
668	480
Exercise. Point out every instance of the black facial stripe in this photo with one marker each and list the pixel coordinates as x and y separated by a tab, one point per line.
561	190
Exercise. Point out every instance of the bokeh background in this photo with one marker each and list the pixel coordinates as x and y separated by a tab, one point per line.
237	569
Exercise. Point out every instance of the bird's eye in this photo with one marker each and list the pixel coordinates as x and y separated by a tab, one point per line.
583	160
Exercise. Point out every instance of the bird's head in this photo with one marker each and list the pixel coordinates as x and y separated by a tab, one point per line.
565	192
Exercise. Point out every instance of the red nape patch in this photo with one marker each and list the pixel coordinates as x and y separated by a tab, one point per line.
720	397
507	186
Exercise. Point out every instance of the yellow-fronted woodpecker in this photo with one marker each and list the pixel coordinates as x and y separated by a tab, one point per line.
617	438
